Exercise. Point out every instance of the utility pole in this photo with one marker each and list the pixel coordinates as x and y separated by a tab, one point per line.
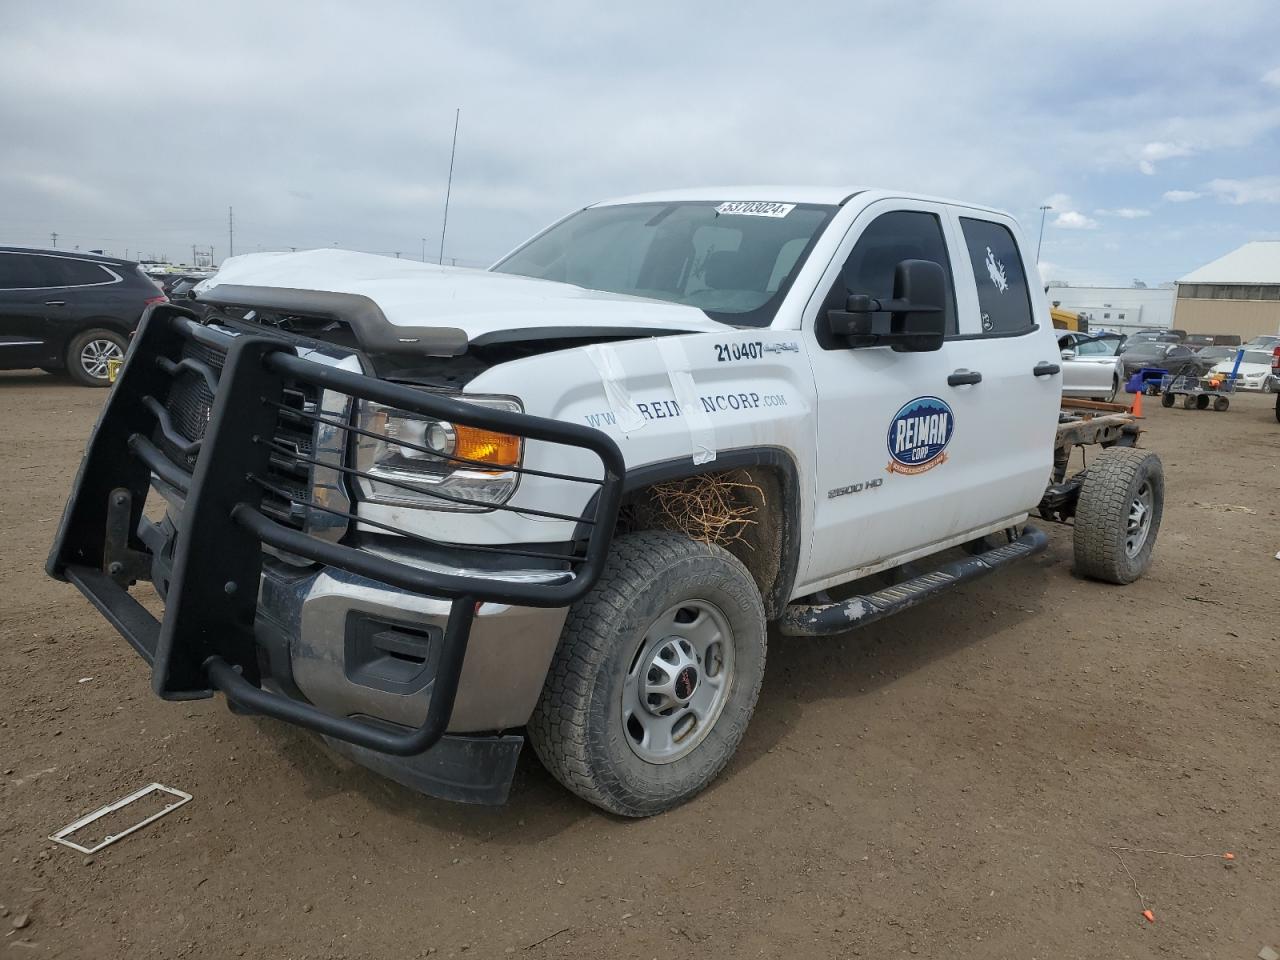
1044	207
449	187
193	254
54	237
424	249
231	232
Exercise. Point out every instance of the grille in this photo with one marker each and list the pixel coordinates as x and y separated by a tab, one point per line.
190	404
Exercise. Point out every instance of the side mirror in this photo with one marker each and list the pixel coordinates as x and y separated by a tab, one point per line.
1068	354
917	319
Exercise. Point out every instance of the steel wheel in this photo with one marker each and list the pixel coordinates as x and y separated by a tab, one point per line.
95	354
1139	524
679	680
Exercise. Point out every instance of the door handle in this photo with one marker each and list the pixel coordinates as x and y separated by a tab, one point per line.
1044	369
55	303
963	377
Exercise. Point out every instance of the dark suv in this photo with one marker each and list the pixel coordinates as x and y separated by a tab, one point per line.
72	312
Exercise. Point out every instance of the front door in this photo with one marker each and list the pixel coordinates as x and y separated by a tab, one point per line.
892	455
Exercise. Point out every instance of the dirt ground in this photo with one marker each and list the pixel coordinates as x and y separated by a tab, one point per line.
942	784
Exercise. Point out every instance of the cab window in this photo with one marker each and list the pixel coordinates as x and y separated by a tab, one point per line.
1003	298
886	242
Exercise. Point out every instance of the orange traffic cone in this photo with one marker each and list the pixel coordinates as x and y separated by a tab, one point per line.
1136	407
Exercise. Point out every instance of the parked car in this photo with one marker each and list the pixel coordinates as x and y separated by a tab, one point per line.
1255	371
1090	367
69	312
1263	342
1218	353
1197	340
426	517
1174	357
1153	336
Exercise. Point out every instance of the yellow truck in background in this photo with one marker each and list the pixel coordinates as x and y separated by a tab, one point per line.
1068	319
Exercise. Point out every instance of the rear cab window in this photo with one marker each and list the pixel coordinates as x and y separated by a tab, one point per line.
1004	299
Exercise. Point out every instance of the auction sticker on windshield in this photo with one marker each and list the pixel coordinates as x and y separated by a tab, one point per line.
755	208
919	434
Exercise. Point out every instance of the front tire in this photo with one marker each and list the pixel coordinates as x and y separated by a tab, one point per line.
87	356
1118	515
656	676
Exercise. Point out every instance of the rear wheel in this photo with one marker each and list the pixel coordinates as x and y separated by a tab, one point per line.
88	353
656	676
1188	402
1167	399
1221	403
1118	515
1278	408
1202	402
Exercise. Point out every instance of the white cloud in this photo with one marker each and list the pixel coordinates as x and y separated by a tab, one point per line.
1124	213
1251	190
1272	77
1059	201
1181	196
1072	220
1157	150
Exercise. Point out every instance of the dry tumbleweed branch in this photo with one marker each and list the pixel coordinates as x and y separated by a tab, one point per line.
708	508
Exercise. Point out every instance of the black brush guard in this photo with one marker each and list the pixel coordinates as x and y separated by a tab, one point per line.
205	640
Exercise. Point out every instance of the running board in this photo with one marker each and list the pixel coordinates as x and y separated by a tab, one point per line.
828	619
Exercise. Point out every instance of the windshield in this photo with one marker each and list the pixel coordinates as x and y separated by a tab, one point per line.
734	261
1253	356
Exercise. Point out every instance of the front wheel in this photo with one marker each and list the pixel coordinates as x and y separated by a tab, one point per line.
1167	399
1118	515
656	675
88	355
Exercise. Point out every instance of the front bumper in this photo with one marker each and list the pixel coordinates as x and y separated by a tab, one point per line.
283	660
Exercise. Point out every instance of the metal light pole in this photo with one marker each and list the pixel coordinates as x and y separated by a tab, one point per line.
1043	209
449	187
424	249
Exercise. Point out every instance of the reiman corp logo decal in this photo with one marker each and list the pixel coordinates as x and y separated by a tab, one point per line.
919	434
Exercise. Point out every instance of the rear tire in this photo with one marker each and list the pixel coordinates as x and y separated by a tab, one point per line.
611	725
1118	515
1188	402
87	356
1277	408
1167	399
1221	403
1202	402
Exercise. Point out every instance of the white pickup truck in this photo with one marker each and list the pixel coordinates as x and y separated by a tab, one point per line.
426	512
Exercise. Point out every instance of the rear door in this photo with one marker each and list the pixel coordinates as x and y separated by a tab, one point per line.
23	279
1006	335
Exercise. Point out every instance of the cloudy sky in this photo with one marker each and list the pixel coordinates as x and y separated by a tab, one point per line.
1152	128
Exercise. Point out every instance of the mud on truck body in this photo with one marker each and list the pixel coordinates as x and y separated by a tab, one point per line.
426	512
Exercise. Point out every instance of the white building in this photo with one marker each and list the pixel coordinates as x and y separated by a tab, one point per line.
1118	309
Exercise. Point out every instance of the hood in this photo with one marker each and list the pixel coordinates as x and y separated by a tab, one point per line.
451	306
1246	369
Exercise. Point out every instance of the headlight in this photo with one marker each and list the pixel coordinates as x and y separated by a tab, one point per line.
420	461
